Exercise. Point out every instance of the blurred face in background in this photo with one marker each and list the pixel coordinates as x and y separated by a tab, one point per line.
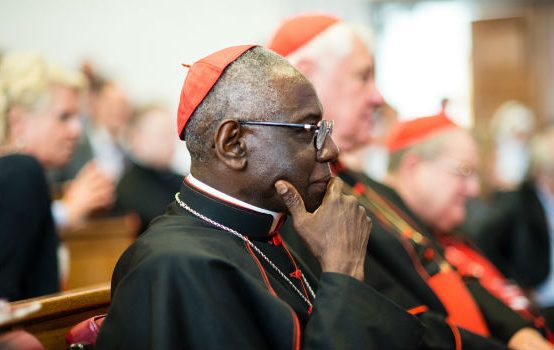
111	108
442	185
51	132
152	138
350	97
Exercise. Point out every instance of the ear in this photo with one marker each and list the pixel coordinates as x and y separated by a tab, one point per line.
230	147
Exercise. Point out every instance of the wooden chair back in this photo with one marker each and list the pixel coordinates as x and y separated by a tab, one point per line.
95	249
58	313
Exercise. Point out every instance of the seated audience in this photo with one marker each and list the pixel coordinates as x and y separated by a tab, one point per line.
432	173
334	57
148	184
213	272
107	113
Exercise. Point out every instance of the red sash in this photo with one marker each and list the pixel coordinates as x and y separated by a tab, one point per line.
447	284
459	304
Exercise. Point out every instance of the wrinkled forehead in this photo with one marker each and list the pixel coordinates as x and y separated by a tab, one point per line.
298	101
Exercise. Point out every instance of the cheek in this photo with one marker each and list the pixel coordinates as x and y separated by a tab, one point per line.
43	134
283	161
451	205
365	126
285	165
434	193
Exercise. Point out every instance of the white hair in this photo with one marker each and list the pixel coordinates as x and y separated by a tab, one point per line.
511	118
331	45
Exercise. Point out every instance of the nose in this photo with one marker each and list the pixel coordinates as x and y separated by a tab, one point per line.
375	97
329	152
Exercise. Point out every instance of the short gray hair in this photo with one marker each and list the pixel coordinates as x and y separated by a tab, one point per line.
428	149
245	90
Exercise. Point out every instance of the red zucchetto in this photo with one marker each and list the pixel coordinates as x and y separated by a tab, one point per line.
411	132
201	77
299	30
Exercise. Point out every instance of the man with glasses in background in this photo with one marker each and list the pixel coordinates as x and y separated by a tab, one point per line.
213	272
432	172
338	60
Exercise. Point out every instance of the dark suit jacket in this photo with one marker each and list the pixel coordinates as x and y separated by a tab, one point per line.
146	191
390	270
515	237
28	240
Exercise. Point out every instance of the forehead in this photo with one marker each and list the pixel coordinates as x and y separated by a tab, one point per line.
461	145
297	99
64	97
360	58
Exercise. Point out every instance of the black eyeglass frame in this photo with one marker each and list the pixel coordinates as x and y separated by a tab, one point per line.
319	138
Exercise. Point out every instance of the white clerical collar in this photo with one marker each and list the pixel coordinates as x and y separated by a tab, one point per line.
218	194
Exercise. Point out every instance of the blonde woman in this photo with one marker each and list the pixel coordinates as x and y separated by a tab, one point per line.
38	129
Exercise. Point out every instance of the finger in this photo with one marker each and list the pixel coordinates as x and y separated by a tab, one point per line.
290	197
334	187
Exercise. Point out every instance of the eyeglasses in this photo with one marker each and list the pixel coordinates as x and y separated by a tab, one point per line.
460	169
321	129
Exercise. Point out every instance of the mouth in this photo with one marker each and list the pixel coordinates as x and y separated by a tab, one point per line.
321	182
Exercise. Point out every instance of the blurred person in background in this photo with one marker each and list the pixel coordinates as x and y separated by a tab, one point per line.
518	235
38	130
105	118
512	126
373	158
338	61
39	119
433	150
148	184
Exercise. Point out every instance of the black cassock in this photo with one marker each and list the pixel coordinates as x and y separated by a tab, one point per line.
391	270
185	284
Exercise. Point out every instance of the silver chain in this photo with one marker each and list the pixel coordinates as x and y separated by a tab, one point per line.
245	239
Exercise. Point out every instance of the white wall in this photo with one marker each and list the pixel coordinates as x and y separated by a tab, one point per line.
423	55
142	43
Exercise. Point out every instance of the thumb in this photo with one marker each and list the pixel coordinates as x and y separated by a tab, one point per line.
291	198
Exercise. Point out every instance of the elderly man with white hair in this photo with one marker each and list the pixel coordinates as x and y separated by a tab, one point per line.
337	59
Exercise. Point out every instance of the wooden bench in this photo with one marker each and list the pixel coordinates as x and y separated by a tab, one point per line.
95	249
58	313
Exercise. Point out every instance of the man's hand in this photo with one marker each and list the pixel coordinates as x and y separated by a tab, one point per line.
529	339
89	191
336	233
